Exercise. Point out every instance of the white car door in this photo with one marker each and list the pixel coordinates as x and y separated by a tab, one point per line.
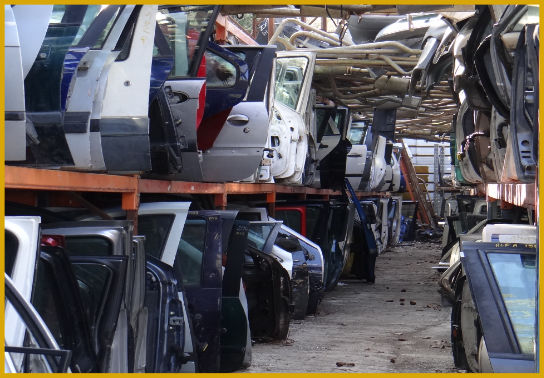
22	235
83	140
288	131
15	120
123	109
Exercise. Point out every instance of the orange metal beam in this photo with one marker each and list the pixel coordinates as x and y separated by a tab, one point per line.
180	187
48	179
224	25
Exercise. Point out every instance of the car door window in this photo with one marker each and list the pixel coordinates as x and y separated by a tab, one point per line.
516	277
292	218
45	299
183	26
88	246
289	80
155	228
188	262
258	234
220	73
94	281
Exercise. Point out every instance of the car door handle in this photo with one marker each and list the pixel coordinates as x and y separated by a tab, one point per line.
238	119
321	145
355	155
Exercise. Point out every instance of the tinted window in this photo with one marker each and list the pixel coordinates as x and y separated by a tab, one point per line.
220	73
88	246
289	80
291	218
93	281
258	234
183	26
312	216
155	228
516	277
188	262
12	244
45	299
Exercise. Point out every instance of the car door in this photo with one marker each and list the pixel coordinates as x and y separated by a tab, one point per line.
165	345
292	84
101	253
43	94
236	337
198	264
86	61
57	299
21	253
25	28
502	281
332	165
241	139
124	125
356	158
15	130
183	34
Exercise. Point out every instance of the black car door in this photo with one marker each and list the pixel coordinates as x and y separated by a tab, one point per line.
57	299
166	324
198	262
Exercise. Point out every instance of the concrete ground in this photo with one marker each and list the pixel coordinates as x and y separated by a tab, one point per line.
397	325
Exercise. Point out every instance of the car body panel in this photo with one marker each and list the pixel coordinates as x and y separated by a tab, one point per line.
15	119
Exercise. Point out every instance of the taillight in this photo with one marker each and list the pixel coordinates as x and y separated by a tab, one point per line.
53	241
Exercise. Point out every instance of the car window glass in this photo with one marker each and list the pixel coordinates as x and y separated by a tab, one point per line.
327	122
43	84
188	262
155	228
291	218
312	217
96	27
516	277
45	299
289	80
258	234
356	135
220	73
88	246
11	246
93	281
183	26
